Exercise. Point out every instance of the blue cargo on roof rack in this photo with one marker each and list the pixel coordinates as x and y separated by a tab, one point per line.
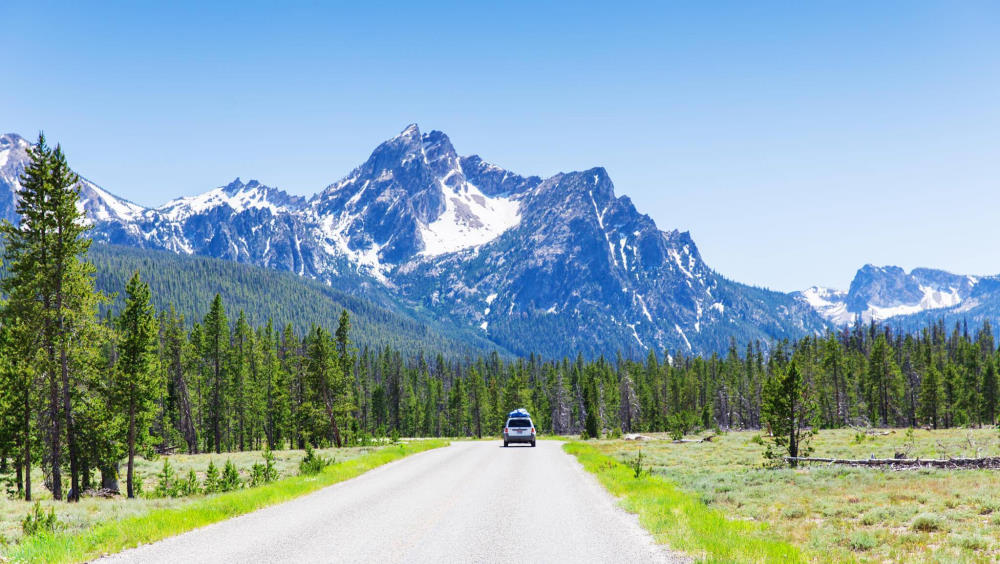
518	413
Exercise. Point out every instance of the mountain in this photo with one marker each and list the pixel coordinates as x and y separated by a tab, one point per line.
557	266
880	293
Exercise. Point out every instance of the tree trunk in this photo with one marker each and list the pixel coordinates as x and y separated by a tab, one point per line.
27	446
74	455
129	484
109	476
184	408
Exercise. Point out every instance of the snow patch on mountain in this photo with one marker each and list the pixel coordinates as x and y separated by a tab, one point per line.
829	303
470	219
236	195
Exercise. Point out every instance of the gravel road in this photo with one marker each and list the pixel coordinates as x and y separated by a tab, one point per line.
470	502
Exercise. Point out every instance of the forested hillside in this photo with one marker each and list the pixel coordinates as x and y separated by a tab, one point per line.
190	282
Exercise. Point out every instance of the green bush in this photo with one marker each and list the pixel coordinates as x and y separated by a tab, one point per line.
861	541
190	485
313	463
166	483
230	478
971	542
37	521
212	478
926	522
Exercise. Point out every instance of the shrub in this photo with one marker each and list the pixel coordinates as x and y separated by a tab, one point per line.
165	485
212	478
793	513
636	465
926	522
394	437
190	485
270	472
38	521
263	473
873	517
313	463
230	478
861	541
971	542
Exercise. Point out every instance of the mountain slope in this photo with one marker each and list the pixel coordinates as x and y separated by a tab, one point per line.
190	282
558	265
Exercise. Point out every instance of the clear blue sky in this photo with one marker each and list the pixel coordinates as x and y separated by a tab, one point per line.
795	140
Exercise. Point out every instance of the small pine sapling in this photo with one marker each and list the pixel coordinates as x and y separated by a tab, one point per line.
212	484
230	478
636	464
256	475
166	483
38	521
190	485
270	471
313	463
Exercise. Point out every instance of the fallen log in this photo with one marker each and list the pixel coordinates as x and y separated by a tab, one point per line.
992	462
707	439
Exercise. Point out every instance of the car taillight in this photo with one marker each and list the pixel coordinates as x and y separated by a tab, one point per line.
532	430
505	429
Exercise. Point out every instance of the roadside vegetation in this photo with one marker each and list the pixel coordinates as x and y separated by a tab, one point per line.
97	526
830	513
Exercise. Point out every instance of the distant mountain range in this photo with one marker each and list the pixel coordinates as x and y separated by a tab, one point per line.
907	299
556	266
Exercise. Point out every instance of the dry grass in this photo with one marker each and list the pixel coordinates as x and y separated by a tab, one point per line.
847	514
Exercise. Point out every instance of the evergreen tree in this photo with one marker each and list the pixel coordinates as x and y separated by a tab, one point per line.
930	390
136	381
215	343
789	410
989	394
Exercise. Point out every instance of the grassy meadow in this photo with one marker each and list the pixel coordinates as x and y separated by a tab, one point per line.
95	526
838	513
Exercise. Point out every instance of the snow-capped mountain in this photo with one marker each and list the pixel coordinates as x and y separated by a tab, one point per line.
99	205
558	265
878	293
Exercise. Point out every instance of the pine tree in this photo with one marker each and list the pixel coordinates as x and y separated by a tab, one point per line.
45	258
137	382
989	395
215	343
789	411
930	392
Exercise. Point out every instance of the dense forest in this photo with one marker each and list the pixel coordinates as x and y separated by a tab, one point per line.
189	282
84	386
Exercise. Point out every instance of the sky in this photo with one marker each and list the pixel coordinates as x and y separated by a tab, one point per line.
796	141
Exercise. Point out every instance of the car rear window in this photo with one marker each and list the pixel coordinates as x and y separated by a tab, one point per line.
519	423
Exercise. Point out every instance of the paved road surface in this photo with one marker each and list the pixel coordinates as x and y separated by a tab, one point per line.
470	502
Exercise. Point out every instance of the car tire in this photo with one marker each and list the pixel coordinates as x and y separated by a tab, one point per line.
505	444
532	443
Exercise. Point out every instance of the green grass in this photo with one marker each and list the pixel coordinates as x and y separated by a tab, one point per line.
90	511
679	519
844	514
117	535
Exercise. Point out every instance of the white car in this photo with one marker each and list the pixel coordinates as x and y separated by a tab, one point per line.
519	430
